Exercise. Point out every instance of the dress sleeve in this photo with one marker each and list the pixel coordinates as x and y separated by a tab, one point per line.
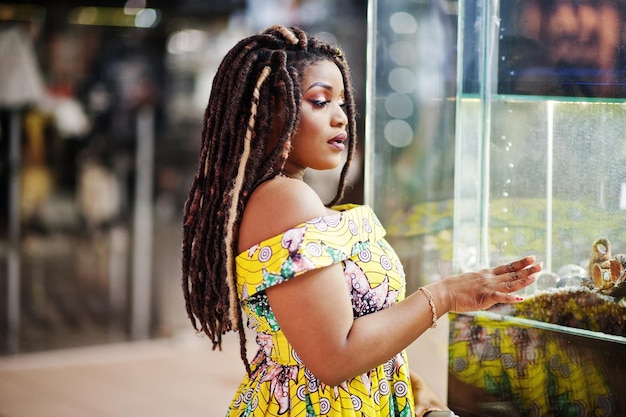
315	244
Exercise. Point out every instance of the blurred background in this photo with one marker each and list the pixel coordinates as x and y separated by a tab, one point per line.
101	106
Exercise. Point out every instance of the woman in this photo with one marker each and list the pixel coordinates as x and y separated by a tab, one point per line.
319	284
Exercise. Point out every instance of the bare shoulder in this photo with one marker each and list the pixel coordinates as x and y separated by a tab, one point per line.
275	206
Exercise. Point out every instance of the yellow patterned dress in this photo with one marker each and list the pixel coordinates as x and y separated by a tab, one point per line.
280	384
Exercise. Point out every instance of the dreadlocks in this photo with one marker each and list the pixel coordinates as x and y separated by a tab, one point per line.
258	75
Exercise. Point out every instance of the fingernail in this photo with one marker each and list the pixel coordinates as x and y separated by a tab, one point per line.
518	298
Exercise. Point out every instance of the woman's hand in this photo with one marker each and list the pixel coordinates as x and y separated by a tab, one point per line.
480	290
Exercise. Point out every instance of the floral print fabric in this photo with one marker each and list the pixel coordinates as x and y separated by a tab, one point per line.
280	384
539	372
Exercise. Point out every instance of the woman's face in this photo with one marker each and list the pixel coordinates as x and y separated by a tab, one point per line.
321	135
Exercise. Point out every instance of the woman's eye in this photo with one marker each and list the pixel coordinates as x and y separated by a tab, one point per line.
320	103
323	103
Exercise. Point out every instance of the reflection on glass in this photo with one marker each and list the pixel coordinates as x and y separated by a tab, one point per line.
410	136
562	48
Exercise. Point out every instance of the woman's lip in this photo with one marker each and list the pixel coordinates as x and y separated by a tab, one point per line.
338	141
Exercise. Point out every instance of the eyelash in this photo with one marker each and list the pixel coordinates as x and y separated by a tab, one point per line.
322	103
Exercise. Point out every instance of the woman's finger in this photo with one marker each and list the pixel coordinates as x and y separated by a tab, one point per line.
514	266
513	276
515	281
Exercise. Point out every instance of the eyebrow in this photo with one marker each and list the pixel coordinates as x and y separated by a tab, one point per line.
320	84
323	85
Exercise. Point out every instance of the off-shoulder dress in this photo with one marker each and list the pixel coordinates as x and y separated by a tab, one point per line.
280	384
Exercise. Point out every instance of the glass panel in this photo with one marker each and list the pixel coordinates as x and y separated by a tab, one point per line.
510	367
535	174
556	175
409	143
541	169
410	132
562	47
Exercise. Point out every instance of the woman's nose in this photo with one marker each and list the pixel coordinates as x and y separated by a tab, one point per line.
339	116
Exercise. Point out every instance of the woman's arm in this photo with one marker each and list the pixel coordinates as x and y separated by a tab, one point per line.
315	313
314	310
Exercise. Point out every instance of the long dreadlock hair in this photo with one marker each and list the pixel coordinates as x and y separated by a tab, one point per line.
256	75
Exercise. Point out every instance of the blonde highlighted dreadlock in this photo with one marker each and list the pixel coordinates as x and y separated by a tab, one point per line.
232	213
258	72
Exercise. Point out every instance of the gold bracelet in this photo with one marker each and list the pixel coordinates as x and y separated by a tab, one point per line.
431	302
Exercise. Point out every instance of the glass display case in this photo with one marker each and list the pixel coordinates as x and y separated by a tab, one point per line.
540	169
495	132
